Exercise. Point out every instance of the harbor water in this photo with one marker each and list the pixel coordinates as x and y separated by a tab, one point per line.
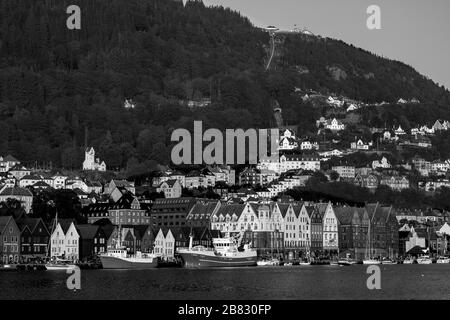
259	283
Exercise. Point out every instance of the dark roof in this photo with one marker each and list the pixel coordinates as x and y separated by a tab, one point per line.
344	214
108	230
283	208
4	222
31	223
65	224
87	231
231	209
10	158
170	182
177	204
16	191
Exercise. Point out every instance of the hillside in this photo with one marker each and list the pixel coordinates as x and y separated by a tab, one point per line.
61	89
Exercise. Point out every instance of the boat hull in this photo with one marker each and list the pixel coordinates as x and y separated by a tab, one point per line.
56	267
118	263
371	262
199	260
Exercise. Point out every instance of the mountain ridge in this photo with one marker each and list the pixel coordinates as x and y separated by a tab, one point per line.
56	84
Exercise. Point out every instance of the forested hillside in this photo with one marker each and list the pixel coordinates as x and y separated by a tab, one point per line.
60	87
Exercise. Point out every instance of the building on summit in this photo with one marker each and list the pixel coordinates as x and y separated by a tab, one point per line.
91	163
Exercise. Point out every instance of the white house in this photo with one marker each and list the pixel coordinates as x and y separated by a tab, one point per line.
64	241
29	180
304	226
59	181
171	188
330	227
348	172
164	244
294	162
360	145
334	125
383	163
91	163
288	141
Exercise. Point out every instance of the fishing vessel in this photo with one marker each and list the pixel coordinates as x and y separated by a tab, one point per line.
118	258
226	252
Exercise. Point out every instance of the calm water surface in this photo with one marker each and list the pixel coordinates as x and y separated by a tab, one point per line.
295	282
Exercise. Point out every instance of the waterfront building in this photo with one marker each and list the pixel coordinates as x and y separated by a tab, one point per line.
352	229
34	238
304	227
64	240
383	231
92	241
9	240
164	243
330	228
316	220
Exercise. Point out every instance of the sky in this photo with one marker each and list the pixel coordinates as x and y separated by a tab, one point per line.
416	32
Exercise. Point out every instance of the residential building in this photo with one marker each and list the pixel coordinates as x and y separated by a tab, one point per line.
92	241
24	196
64	240
129	211
34	239
330	228
382	164
171	188
347	172
9	240
396	183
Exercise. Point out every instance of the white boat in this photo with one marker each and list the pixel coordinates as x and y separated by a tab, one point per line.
271	262
371	261
388	262
288	264
424	260
59	265
442	260
346	262
306	263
